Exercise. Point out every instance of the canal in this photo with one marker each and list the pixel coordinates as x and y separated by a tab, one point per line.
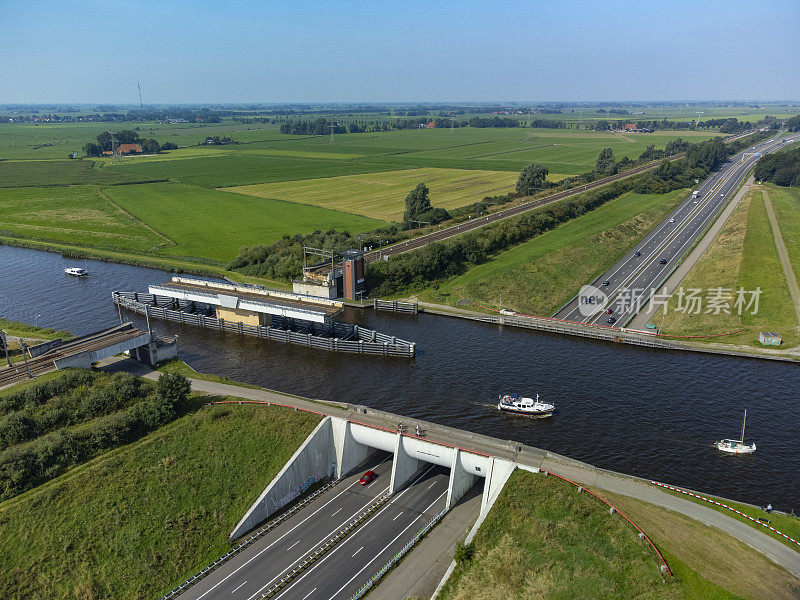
650	413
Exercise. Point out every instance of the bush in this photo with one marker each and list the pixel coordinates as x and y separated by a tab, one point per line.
464	553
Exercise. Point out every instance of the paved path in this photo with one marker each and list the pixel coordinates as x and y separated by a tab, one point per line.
791	279
566	467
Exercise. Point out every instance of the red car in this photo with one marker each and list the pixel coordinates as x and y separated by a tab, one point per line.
367	477
609	311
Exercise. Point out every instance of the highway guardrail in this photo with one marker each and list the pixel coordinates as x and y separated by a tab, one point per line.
258	534
397	557
324	548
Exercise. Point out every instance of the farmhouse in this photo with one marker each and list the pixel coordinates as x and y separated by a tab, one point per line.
630	127
129	148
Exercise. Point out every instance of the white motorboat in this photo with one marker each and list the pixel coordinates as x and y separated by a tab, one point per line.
737	446
76	272
524	406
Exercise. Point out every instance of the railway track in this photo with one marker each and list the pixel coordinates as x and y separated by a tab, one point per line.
46	362
477	223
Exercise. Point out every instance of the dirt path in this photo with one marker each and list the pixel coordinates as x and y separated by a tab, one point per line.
788	271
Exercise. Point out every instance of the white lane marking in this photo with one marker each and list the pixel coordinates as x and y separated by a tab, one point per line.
334	514
309	593
388	545
431	485
293	545
399	515
316	544
279	539
357	551
237	587
349	538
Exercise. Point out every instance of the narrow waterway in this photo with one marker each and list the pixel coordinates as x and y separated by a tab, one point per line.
646	412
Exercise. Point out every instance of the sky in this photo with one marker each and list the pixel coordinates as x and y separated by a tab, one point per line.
433	51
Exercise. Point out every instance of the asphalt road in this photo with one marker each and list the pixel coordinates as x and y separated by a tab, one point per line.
351	562
632	279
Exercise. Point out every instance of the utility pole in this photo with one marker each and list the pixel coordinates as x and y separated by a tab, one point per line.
113	148
25	358
5	346
141	106
333	125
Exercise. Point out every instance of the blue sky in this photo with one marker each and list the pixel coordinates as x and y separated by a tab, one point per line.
304	51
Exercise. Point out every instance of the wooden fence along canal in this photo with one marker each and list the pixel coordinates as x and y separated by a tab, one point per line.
340	337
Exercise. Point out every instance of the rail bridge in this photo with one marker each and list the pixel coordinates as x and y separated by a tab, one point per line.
82	351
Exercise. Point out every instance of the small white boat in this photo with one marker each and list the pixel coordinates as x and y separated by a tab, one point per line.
524	406
737	446
76	272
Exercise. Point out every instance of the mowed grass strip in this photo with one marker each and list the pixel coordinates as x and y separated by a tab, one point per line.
742	256
542	539
74	215
139	520
214	224
537	277
382	195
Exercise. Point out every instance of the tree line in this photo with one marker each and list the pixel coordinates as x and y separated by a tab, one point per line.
26	465
781	168
107	139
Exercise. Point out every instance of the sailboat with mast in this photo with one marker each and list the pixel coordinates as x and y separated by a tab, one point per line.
737	446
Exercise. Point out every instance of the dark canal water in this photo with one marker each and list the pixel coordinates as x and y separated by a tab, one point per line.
646	412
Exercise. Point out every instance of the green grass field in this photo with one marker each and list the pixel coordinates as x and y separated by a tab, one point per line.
29	173
24	330
542	539
214	224
742	255
78	215
786	204
538	276
138	520
382	195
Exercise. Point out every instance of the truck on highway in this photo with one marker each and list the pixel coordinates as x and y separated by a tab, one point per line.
695	194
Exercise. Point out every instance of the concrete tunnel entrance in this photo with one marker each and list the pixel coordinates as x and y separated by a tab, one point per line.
338	447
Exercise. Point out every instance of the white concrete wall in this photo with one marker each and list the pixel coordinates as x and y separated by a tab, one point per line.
461	480
499	472
313	461
403	467
349	453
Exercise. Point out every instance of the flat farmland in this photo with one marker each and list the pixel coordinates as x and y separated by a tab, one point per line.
214	225
78	215
382	195
25	173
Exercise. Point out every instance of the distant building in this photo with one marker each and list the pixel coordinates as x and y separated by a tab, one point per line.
770	339
630	127
430	125
129	148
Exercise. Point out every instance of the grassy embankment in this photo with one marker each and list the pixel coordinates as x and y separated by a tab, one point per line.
540	275
137	520
785	523
544	540
743	255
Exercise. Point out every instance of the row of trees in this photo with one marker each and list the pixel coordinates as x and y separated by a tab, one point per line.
781	168
27	465
419	208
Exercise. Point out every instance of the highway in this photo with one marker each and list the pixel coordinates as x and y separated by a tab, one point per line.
631	280
348	564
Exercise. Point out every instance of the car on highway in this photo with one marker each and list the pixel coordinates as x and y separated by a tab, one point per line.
672	220
637	253
609	311
663	261
606	283
367	477
611	320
